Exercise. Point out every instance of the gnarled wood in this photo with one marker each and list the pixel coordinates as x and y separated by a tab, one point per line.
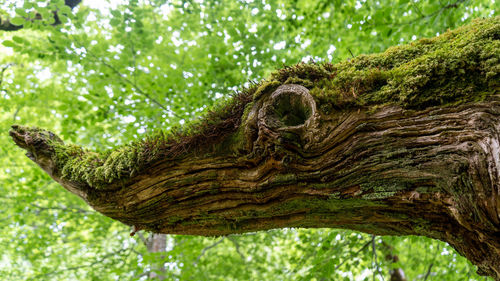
433	172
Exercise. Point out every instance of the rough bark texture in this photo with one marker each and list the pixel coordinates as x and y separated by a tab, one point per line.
393	172
385	170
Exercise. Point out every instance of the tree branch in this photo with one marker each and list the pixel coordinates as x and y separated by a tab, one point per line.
396	274
65	209
99	262
353	254
2	71
236	246
428	271
144	240
421	17
375	262
50	208
206	249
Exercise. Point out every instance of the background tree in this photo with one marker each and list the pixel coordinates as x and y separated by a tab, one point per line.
129	68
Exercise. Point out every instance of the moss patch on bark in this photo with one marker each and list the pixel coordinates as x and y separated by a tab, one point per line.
459	66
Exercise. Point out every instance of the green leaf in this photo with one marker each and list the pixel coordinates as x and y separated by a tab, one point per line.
8	43
65	10
18	39
27	5
17	21
116	13
51	20
44	11
22	12
63	18
114	22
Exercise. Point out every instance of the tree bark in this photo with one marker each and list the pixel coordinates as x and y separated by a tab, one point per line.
286	162
433	172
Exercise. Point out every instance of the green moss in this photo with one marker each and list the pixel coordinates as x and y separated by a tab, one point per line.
266	87
174	220
335	195
238	140
299	81
332	204
99	170
423	189
34	139
247	109
79	165
456	67
320	185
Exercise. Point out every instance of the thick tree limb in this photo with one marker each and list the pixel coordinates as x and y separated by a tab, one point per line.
396	172
280	156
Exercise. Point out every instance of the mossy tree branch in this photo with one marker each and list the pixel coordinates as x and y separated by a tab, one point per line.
401	143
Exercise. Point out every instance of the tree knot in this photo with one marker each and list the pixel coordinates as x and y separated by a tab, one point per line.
281	121
289	108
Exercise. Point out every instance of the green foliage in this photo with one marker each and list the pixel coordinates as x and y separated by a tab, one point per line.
105	77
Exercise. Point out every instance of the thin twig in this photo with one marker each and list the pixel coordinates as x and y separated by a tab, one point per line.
428	271
237	247
65	209
73	268
144	240
449	6
132	49
422	17
350	52
128	81
208	248
374	257
60	207
16	112
354	254
377	267
2	71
